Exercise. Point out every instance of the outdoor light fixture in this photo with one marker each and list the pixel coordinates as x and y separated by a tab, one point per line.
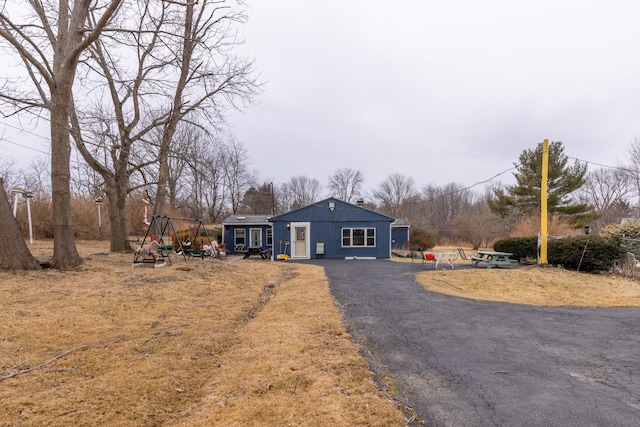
332	206
288	226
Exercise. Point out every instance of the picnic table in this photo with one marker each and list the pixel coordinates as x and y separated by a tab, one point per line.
257	251
493	259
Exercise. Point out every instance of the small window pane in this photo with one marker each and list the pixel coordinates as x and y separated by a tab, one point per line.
358	237
240	236
371	236
346	237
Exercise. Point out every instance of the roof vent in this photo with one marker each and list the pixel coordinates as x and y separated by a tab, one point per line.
360	202
240	218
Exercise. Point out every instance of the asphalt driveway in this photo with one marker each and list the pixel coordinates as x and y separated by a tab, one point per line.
467	363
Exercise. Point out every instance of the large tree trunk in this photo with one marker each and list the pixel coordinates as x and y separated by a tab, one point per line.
65	63
72	37
117	195
163	173
65	253
14	253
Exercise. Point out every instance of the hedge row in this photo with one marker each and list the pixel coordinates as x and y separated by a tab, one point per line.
583	253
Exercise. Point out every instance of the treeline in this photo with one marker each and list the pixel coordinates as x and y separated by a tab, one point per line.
449	213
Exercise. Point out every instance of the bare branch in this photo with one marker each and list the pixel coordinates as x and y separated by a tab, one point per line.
50	361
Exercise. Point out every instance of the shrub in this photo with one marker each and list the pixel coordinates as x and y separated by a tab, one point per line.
629	229
585	253
421	238
520	247
629	232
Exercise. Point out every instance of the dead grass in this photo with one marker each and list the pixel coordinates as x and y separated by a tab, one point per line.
198	343
533	285
208	343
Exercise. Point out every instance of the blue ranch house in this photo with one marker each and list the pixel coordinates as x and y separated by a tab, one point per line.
332	228
241	232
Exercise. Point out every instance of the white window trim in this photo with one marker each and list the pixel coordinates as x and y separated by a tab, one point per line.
366	237
235	236
269	236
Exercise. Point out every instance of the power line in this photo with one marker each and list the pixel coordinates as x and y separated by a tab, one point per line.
3	139
620	168
26	131
23	146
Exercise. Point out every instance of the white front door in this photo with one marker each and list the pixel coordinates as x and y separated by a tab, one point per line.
300	241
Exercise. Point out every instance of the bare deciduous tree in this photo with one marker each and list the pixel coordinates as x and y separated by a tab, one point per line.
346	184
237	176
608	191
50	51
10	174
442	204
204	87
302	191
477	225
631	168
131	127
392	193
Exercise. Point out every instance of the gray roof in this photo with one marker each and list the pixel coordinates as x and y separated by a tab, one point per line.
247	219
400	222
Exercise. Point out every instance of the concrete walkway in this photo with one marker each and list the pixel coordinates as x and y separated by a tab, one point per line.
468	363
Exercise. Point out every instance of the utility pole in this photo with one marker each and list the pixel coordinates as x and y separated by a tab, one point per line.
273	201
543	202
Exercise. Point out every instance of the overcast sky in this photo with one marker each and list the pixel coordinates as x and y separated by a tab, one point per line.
442	91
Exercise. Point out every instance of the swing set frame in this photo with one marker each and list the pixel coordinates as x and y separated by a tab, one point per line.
162	227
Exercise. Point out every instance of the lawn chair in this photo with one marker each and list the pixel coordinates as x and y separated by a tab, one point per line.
463	255
426	257
415	256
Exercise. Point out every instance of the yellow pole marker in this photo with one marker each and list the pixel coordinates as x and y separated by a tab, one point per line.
543	202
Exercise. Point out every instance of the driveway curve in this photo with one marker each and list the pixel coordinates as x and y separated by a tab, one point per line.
471	363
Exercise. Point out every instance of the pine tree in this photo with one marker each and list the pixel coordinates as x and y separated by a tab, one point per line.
523	198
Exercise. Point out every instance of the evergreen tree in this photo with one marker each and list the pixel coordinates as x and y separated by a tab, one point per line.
523	198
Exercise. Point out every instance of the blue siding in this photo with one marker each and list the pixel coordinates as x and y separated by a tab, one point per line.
399	237
326	227
229	236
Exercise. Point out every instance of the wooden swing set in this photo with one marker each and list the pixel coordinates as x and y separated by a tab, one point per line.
163	238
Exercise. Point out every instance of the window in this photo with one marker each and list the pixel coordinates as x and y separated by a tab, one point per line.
358	237
269	236
240	237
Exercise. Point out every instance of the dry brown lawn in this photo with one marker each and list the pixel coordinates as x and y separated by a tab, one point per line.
208	342
533	285
204	342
